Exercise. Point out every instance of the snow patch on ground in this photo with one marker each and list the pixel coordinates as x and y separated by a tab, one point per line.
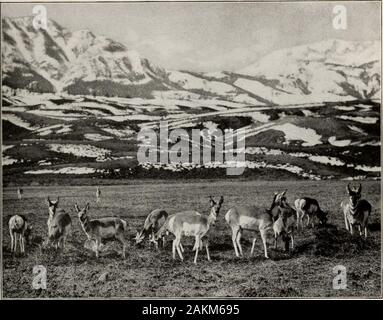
81	150
356	129
368	168
327	160
96	137
293	132
18	121
257	116
120	133
67	170
345	108
57	128
369	120
338	143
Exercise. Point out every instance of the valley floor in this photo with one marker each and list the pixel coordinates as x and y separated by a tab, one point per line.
307	271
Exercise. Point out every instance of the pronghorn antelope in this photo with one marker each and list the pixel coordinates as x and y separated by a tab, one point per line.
98	194
151	225
285	221
164	231
309	207
102	228
193	224
252	219
19	193
59	225
19	230
356	211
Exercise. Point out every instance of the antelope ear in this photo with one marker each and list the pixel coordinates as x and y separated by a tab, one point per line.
220	201
58	200
359	189
76	207
212	202
284	192
348	189
87	206
49	201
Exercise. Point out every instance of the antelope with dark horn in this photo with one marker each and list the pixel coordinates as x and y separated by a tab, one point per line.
356	210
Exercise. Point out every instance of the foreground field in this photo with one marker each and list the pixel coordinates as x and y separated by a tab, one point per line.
307	271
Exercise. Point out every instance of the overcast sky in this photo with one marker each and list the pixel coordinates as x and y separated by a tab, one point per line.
211	36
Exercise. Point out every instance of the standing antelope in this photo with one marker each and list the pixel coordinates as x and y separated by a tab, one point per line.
248	218
285	222
151	225
309	207
19	230
102	228
193	224
59	225
356	211
98	194
164	231
19	193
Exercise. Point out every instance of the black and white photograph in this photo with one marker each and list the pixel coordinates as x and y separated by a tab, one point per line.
189	149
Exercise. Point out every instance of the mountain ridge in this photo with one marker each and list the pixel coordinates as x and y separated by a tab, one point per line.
80	62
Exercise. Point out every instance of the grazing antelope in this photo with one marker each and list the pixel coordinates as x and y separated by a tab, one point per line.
309	207
98	194
285	222
19	230
193	224
151	226
102	228
356	211
59	225
164	231
252	219
19	193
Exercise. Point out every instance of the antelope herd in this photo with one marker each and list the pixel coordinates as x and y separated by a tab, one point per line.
280	218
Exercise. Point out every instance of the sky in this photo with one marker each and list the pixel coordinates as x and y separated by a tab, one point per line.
211	36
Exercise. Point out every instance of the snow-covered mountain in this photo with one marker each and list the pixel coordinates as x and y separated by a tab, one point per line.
58	60
326	70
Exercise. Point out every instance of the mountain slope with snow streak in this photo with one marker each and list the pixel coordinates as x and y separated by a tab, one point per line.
80	62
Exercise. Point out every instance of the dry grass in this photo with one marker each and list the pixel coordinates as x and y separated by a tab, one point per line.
307	271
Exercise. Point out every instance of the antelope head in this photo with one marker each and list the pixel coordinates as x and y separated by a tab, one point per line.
215	208
280	197
52	206
354	194
82	213
322	217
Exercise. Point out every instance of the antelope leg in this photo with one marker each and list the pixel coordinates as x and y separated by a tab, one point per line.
179	250
263	236
207	250
234	237
239	234
292	241
12	241
21	242
252	247
174	249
